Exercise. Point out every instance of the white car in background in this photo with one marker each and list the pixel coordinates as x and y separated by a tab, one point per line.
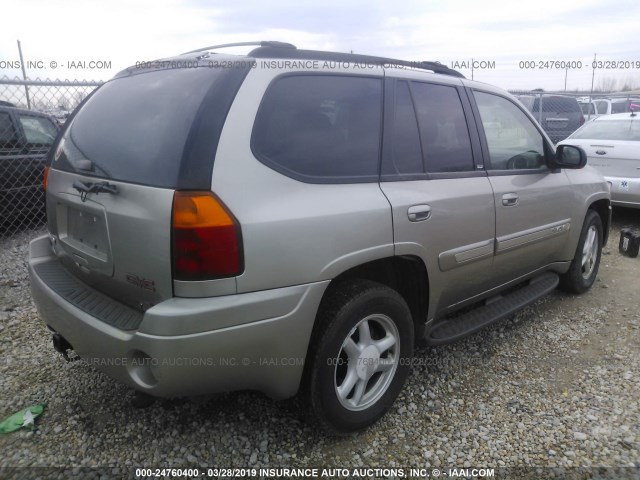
612	145
608	106
588	108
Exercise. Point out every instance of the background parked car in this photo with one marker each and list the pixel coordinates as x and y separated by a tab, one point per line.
25	139
559	115
607	106
612	145
588	108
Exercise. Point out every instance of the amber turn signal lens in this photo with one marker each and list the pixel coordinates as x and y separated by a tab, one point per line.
199	209
207	243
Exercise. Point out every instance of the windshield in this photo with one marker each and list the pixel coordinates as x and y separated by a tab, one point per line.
610	130
135	128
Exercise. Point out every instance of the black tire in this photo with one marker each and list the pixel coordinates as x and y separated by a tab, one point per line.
581	276
346	307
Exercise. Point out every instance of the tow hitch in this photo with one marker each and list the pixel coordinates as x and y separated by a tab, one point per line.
61	345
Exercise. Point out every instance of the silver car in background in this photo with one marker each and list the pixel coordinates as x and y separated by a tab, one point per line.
612	145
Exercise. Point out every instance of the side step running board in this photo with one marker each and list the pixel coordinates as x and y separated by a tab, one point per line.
450	330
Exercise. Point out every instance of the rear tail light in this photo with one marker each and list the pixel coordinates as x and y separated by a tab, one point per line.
45	178
207	241
581	119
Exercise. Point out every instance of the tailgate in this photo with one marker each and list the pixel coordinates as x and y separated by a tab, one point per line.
555	122
136	140
119	243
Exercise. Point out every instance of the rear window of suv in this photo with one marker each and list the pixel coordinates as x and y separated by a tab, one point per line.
157	128
321	128
557	105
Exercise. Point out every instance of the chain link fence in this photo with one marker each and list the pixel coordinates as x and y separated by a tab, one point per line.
561	113
31	114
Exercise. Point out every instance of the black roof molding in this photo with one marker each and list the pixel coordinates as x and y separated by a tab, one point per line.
271	51
269	43
275	49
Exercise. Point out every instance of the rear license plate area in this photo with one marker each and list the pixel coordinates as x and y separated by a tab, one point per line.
87	230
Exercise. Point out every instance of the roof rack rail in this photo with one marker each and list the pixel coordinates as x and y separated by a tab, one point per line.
264	51
272	43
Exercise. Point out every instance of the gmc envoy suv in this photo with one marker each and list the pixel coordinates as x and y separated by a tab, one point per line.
295	220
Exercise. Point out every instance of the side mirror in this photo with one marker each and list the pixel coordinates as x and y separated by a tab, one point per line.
569	156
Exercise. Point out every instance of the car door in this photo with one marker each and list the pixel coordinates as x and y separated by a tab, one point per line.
533	204
442	203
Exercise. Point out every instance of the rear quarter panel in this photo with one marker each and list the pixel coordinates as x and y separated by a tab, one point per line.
294	232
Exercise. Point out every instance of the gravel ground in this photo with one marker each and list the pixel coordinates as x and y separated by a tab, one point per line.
557	385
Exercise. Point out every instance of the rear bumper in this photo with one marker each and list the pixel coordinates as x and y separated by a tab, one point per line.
252	341
625	192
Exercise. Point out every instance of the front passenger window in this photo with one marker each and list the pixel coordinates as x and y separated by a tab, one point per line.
513	140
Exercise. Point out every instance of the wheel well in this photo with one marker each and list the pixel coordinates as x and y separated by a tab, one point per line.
601	207
407	275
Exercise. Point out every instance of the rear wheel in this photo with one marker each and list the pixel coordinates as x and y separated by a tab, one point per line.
586	261
359	356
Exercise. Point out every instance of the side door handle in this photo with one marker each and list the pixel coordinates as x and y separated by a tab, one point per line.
510	199
419	213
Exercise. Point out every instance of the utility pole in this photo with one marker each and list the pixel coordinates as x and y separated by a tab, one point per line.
24	76
593	74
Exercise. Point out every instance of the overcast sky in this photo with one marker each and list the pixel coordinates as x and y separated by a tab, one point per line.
504	32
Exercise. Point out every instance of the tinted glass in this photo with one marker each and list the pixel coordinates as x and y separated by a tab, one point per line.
443	128
513	140
625	106
7	132
135	128
405	140
618	107
610	130
38	130
321	127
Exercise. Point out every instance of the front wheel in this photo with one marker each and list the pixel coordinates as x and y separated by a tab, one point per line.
359	358
586	261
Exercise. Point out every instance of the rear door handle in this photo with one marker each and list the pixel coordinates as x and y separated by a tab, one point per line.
419	213
510	199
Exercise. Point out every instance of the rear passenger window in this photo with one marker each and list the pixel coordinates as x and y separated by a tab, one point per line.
405	140
321	128
443	128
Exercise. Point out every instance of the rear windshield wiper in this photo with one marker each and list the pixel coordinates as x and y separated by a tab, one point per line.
86	188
